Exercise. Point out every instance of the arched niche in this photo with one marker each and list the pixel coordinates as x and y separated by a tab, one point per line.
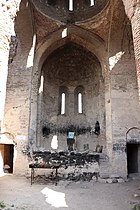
90	42
70	69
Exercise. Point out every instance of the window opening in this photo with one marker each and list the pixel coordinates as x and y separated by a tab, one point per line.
63	103
92	2
80	105
70	5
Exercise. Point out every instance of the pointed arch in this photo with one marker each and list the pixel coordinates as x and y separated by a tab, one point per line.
90	41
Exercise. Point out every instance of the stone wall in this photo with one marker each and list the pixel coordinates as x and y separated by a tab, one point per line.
16	117
124	92
7	16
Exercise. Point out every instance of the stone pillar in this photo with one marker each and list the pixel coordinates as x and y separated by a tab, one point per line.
135	22
106	166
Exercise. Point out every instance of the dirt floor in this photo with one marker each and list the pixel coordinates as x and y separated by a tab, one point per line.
16	193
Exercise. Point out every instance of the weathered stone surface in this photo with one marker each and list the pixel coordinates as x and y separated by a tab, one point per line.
120	180
110	181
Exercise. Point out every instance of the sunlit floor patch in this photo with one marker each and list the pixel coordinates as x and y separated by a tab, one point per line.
54	198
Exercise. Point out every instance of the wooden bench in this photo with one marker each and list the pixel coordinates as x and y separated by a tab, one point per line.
34	166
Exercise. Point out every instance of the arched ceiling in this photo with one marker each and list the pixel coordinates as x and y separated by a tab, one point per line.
112	17
89	41
70	11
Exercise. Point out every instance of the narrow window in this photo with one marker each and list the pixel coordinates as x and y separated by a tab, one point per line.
63	103
92	2
80	105
79	100
70	5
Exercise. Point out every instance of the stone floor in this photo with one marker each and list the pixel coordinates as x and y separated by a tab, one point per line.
16	193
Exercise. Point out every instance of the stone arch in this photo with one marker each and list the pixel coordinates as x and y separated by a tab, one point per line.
90	41
133	135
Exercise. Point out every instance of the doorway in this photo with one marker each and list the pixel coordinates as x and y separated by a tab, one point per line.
7	154
132	158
